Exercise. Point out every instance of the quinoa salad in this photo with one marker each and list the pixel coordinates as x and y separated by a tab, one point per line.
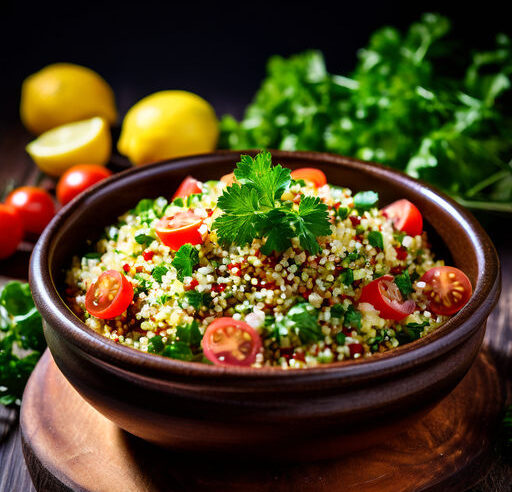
265	267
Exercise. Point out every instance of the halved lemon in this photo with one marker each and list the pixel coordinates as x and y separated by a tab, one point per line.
82	142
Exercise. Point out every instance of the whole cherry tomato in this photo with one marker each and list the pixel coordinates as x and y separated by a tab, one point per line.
11	230
77	179
35	207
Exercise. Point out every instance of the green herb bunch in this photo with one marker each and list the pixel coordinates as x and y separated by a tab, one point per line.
21	340
253	208
412	102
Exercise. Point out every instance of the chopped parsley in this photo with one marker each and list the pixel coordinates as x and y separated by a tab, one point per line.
158	272
347	276
253	209
186	258
143	239
375	239
342	213
403	282
352	318
365	200
337	311
92	256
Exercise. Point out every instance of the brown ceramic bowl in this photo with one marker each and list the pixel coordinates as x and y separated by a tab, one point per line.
306	413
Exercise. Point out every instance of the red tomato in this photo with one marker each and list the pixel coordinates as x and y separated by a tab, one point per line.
189	186
11	230
77	179
406	216
35	207
447	288
180	229
311	174
110	296
229	179
383	294
230	342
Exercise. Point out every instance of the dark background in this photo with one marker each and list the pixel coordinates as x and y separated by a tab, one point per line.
209	48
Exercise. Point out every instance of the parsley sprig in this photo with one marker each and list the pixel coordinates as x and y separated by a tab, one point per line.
253	209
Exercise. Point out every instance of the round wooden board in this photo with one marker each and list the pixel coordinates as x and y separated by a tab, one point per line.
70	446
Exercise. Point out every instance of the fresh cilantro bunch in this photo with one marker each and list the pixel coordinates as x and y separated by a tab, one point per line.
21	340
253	208
413	102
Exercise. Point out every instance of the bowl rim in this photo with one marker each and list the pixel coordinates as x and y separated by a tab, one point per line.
449	335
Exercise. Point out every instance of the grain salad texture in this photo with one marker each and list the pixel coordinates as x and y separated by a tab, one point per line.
304	306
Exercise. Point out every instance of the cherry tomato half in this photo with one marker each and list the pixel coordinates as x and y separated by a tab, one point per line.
77	179
180	229
110	296
229	179
406	216
383	294
188	186
231	342
35	207
11	230
311	174
447	288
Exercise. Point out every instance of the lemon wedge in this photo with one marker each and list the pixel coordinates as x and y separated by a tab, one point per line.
82	142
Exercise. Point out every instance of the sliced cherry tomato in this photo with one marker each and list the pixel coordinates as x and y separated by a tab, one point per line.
229	179
447	288
383	294
311	174
189	186
180	229
406	216
110	296
77	179
11	230
35	207
231	342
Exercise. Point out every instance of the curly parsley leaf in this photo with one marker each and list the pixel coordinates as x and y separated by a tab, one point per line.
269	181
238	223
254	209
186	258
21	342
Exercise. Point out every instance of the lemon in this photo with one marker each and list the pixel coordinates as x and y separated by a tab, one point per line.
62	93
81	142
168	124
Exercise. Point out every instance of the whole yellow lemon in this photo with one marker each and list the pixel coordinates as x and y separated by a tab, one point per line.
168	124
63	93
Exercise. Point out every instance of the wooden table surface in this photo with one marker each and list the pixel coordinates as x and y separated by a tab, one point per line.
14	477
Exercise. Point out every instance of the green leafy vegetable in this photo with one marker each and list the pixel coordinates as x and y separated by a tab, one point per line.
403	282
178	350
189	333
301	319
144	239
337	311
155	344
375	239
411	332
346	277
352	318
253	209
342	213
365	200
194	298
186	258
400	107
21	340
158	272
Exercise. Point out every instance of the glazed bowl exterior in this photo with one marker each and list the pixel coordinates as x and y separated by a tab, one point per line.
299	413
